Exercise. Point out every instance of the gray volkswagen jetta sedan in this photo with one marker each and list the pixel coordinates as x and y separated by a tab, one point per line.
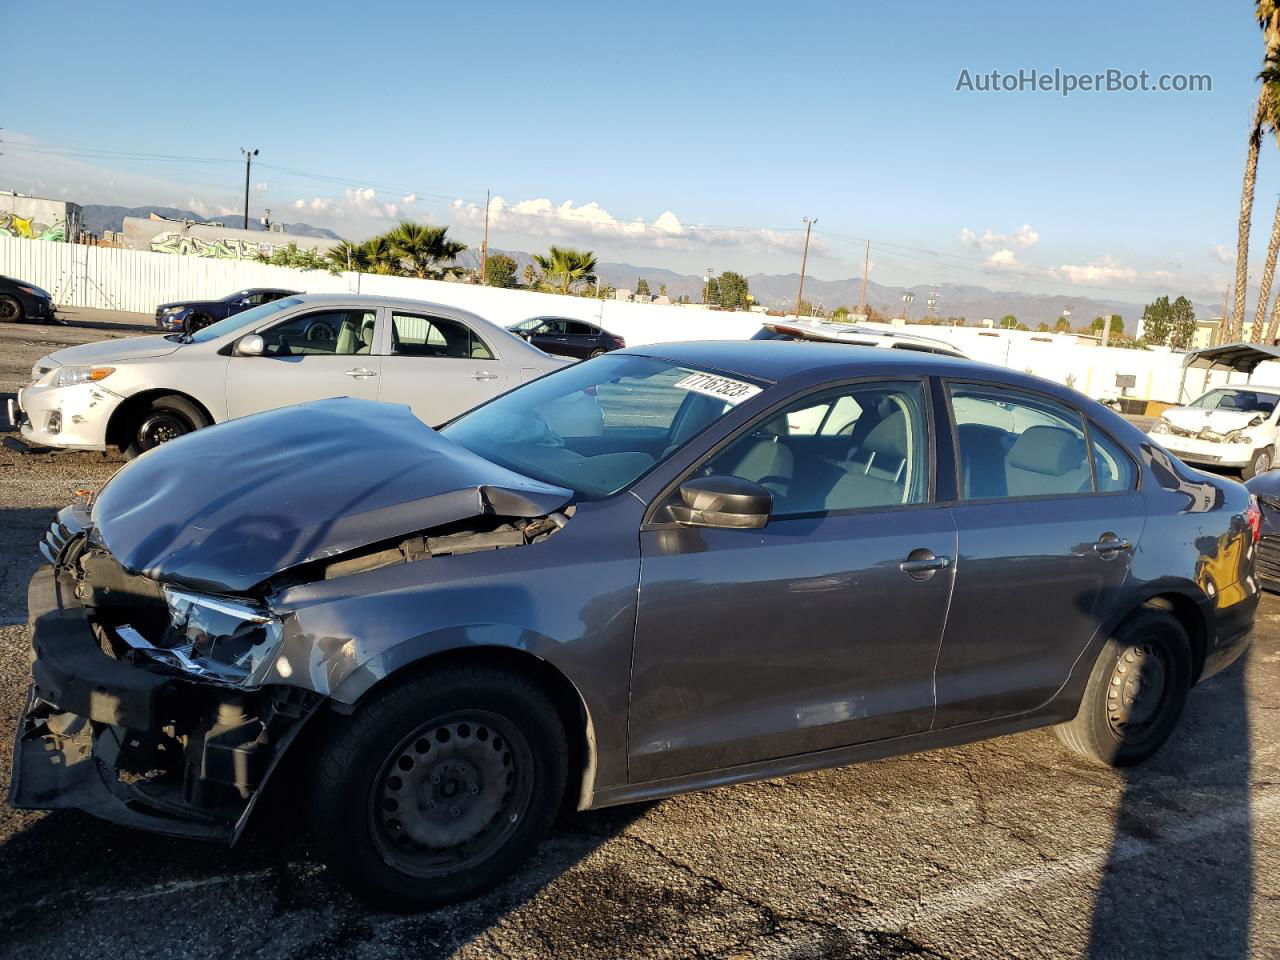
757	560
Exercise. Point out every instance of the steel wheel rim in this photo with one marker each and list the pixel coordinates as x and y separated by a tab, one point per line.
8	309
1263	464
451	793
1138	689
161	428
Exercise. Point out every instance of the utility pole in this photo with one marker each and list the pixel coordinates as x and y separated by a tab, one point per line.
248	162
804	261
706	293
484	247
866	264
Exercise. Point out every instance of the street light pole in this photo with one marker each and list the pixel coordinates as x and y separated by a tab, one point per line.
906	306
706	293
248	162
484	247
804	261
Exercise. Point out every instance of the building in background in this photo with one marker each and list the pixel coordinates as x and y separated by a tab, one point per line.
35	218
1206	333
192	239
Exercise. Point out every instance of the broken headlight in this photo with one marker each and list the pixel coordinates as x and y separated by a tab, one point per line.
1160	426
218	638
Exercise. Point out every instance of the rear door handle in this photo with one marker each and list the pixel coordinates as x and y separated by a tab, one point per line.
923	563
484	375
361	372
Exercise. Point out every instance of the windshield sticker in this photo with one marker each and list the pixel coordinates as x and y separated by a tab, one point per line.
722	388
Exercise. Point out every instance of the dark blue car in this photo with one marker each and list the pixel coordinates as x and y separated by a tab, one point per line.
191	315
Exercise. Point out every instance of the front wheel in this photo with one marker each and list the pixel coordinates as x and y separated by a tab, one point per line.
439	788
165	418
198	322
1135	693
1261	463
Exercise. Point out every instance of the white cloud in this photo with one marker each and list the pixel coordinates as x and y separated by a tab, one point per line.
1108	271
196	205
1003	258
409	199
1221	253
1023	237
260	187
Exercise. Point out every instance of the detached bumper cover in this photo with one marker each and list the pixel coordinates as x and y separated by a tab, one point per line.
136	747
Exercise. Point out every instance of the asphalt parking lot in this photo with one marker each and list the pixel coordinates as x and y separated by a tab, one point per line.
1009	848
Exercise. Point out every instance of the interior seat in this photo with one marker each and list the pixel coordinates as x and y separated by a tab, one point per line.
1047	460
764	460
982	460
876	474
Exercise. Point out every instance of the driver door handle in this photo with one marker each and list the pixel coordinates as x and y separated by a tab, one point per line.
1109	545
921	564
361	372
484	375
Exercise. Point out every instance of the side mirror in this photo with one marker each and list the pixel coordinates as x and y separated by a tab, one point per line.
250	345
722	502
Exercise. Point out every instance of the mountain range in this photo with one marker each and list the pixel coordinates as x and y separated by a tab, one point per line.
98	217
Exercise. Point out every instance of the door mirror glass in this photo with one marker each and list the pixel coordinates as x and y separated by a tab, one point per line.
722	502
250	346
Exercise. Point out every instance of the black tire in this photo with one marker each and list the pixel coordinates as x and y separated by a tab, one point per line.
460	734
10	310
1119	722
197	322
596	353
1262	461
165	418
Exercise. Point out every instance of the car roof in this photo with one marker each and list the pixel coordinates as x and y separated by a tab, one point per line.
1255	387
265	290
406	303
880	336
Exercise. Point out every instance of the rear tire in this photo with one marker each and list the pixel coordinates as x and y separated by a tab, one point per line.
198	322
439	788
596	353
10	310
165	419
1262	462
1135	694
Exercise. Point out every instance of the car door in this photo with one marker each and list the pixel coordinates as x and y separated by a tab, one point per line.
307	356
552	337
583	339
1048	515
437	365
808	633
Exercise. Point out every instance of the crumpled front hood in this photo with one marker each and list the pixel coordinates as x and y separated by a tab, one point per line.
226	507
111	351
1218	421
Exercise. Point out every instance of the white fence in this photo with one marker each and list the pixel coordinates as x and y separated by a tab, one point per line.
111	279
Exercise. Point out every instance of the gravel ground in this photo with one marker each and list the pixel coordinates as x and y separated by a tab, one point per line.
1009	848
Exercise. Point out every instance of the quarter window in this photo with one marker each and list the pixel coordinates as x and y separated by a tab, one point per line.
857	447
1112	467
421	336
1015	444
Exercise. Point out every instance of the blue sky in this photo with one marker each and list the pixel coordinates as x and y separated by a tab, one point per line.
683	135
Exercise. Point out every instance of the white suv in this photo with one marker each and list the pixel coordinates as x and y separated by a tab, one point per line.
139	392
1232	426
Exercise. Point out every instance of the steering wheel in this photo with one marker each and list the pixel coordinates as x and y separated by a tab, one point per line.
320	330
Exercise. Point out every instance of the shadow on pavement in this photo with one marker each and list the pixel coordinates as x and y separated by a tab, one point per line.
1179	877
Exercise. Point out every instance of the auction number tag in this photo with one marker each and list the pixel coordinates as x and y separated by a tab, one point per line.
722	388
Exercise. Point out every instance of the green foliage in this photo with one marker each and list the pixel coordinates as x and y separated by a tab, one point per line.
642	288
733	291
291	256
1008	322
348	256
662	290
565	270
840	315
1117	325
1157	321
424	250
532	278
500	271
1062	325
1182	324
1042	327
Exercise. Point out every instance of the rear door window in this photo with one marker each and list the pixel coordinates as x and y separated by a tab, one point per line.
421	335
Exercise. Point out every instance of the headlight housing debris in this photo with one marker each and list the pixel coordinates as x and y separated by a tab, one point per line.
1160	426
223	639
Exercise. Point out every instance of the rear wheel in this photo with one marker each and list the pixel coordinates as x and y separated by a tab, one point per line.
1135	693
1262	462
10	310
439	788
596	353
165	418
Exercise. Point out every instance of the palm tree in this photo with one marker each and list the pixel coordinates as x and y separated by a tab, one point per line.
424	249
380	256
565	268
348	256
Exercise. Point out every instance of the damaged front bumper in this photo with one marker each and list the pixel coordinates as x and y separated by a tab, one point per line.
137	746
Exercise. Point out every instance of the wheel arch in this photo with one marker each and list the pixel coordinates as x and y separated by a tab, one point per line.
565	696
1190	615
119	427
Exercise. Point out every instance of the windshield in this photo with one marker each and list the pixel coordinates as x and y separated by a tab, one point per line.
240	321
598	427
525	324
1250	401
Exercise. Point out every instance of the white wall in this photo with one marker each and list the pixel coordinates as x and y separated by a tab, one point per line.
135	280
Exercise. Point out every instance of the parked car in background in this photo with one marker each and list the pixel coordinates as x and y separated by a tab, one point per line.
137	393
770	559
824	331
567	337
20	301
1266	487
1233	427
192	315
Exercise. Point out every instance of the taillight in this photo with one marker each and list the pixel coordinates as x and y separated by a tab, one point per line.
1253	517
622	344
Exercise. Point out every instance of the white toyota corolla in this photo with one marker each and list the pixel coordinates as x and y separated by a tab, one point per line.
1233	426
139	392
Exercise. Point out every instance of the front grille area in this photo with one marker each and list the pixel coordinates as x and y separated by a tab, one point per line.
1269	557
